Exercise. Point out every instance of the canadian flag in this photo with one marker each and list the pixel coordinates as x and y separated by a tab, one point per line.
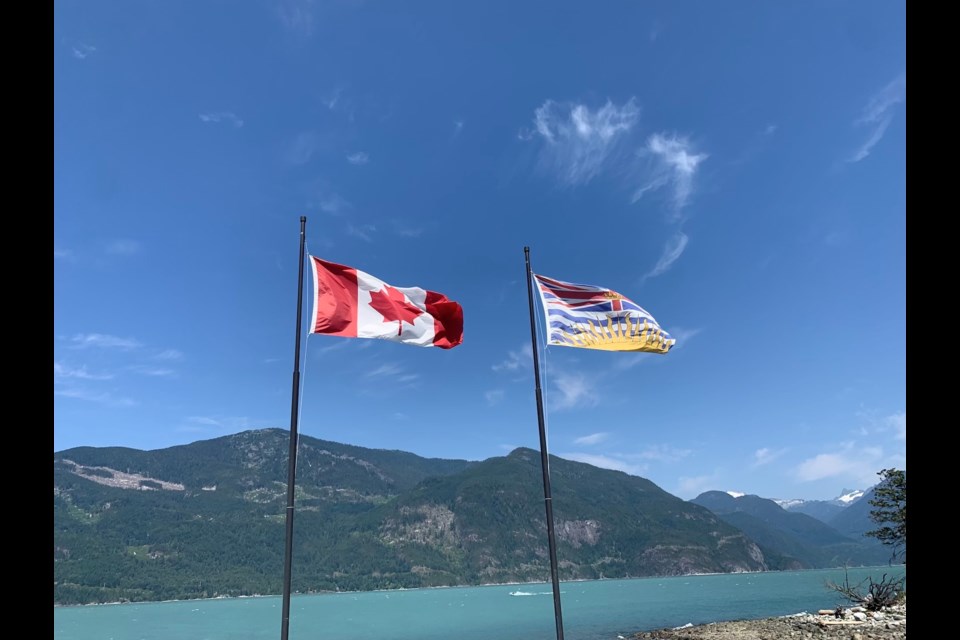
350	303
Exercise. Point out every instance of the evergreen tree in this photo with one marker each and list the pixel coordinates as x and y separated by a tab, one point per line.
890	500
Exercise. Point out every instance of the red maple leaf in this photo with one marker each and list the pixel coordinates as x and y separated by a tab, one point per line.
392	305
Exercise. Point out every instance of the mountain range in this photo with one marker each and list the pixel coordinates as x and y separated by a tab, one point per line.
208	519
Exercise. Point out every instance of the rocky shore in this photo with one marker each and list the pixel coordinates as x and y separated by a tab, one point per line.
853	623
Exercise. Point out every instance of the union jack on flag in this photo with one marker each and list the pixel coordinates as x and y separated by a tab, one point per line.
589	317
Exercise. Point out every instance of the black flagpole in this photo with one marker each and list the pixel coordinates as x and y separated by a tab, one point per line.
292	458
544	459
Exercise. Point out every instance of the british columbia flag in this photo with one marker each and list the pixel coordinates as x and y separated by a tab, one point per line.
589	317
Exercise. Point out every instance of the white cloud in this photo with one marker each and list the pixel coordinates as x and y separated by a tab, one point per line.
873	423
575	391
82	51
673	164
169	354
765	456
232	423
407	232
302	148
222	116
104	398
593	438
671	252
494	396
655	31
770	129
297	16
578	140
333	204
457	127
390	370
605	462
691	486
61	253
523	357
123	247
878	114
363	231
331	102
358	158
152	371
84	340
825	465
898	422
856	464
662	453
62	371
682	335
340	343
628	361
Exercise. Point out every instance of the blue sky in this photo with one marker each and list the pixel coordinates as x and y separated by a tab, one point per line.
737	169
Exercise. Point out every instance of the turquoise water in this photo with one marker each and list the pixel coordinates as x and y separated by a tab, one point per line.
592	610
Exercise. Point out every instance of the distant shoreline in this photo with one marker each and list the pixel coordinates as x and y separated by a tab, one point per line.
459	586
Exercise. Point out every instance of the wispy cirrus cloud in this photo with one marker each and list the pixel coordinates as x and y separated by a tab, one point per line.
405	231
332	100
630	360
101	340
297	16
765	456
672	164
691	486
663	453
493	396
393	371
872	423
387	369
302	147
593	438
683	335
333	203
856	463
362	231
337	345
152	371
99	397
878	114
575	390
169	354
61	254
898	422
632	463
522	357
123	247
605	462
227	117
82	51
358	158
577	140
62	371
200	424
672	251
655	30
